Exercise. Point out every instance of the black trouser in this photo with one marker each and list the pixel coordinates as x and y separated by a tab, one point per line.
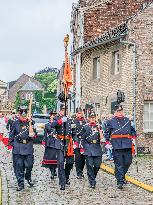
122	160
93	166
22	163
64	174
79	162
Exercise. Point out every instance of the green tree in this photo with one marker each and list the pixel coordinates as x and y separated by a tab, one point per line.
49	82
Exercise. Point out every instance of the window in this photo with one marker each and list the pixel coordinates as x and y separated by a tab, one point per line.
97	109
28	95
115	63
148	116
96	68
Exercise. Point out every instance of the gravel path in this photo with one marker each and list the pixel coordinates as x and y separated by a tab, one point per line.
46	191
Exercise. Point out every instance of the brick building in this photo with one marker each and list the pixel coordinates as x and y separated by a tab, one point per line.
113	50
15	86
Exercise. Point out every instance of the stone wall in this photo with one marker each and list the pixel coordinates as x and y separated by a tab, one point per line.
104	90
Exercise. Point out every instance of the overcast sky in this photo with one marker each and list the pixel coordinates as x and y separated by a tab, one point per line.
31	35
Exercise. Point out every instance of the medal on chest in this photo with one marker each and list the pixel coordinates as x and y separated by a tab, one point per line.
23	127
80	122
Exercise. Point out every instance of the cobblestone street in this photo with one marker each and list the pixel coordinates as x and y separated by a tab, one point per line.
46	191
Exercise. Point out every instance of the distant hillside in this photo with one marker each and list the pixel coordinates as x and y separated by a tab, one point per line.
48	70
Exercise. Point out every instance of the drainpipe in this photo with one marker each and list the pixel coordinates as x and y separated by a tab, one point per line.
134	77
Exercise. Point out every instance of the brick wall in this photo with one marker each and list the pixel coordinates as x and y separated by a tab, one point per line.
101	19
87	3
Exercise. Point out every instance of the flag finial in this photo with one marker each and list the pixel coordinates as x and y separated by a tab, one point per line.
66	41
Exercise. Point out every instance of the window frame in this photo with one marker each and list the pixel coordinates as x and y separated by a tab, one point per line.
97	109
116	62
149	129
98	68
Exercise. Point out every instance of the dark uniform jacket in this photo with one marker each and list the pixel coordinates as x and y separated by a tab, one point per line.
60	130
91	140
119	126
50	137
77	129
19	138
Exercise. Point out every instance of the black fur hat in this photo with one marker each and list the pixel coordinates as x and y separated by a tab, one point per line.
23	108
92	114
118	108
79	109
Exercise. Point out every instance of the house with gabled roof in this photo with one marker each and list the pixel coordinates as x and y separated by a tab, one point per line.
113	51
23	80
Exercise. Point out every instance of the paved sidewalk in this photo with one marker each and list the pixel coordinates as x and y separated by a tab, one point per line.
46	191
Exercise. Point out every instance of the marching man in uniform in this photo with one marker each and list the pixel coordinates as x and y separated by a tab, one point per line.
92	135
119	133
77	125
65	151
51	146
22	142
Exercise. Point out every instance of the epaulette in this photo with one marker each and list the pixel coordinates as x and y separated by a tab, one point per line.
73	125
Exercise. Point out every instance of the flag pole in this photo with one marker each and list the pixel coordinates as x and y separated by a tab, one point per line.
66	42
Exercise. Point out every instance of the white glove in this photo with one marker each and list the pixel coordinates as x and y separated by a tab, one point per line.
31	134
108	146
64	119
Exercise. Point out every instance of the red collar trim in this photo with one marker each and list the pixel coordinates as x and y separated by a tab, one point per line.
92	124
23	119
80	119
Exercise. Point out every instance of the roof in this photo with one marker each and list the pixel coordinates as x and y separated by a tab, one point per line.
30	86
109	36
1	81
16	82
11	83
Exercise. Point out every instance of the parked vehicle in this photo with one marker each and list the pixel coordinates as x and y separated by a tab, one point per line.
39	124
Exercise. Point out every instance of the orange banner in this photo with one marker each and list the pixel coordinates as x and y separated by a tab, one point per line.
67	77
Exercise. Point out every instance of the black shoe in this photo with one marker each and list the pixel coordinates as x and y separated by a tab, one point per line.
79	177
92	186
120	186
20	188
30	183
62	187
125	181
68	182
82	175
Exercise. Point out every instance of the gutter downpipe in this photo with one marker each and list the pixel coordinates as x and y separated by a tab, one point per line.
134	78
